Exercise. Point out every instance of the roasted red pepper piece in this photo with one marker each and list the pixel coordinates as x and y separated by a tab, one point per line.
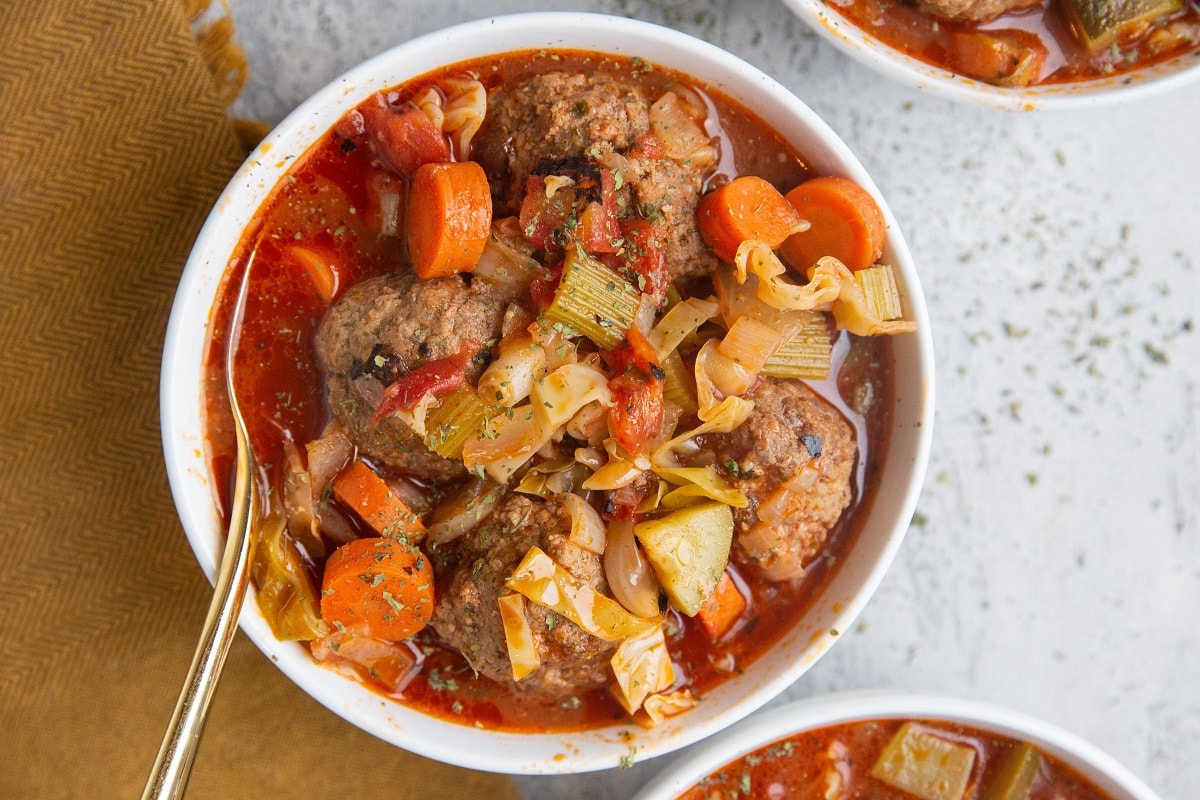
439	378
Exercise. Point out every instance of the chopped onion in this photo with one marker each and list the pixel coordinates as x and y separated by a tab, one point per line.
506	265
629	575
587	527
679	134
590	424
719	377
750	343
509	379
462	511
298	504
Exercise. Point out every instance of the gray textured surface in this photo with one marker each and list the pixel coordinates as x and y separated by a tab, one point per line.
1054	565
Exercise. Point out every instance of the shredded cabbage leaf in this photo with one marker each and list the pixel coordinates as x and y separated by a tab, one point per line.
518	636
642	665
544	582
661	705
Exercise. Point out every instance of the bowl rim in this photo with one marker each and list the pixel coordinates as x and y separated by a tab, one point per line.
183	439
813	713
880	56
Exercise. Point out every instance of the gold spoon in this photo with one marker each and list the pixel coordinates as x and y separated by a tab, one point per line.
172	767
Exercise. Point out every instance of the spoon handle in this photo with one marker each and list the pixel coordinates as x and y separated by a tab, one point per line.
173	765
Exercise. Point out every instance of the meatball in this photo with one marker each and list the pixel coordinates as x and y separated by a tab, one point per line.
664	189
467	617
554	116
385	327
973	10
793	459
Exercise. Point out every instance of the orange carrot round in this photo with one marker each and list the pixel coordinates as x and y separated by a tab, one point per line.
745	208
368	495
845	222
449	218
386	584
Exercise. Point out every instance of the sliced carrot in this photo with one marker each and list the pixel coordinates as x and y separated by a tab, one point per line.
319	266
722	608
368	495
449	218
386	584
845	222
745	208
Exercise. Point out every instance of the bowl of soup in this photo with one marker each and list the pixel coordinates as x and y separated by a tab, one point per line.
590	385
892	745
1019	54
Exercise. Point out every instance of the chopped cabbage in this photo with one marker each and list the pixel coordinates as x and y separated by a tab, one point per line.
642	666
518	636
544	582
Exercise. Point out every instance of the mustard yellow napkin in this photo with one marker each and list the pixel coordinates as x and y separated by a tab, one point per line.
114	144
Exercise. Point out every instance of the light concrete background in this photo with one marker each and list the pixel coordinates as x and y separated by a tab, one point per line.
1054	563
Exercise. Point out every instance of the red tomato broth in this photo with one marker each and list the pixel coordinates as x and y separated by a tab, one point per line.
1048	28
796	766
324	201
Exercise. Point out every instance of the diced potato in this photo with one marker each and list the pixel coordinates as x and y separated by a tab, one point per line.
688	550
924	764
1100	23
1015	775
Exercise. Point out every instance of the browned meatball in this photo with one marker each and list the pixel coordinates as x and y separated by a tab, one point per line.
554	116
385	327
664	189
793	458
467	617
973	10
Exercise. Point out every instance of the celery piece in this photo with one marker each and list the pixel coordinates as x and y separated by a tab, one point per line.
878	284
808	354
448	425
925	765
1100	23
594	300
679	385
1012	779
688	550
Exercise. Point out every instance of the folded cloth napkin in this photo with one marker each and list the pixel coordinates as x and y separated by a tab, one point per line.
114	144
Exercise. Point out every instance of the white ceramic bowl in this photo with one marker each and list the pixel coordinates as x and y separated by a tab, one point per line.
820	712
825	19
813	634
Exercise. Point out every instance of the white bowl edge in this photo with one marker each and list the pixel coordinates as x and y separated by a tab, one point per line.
892	63
783	721
183	434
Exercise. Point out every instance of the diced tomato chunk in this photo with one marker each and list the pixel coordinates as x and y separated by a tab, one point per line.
543	287
403	138
599	231
637	410
644	256
541	216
